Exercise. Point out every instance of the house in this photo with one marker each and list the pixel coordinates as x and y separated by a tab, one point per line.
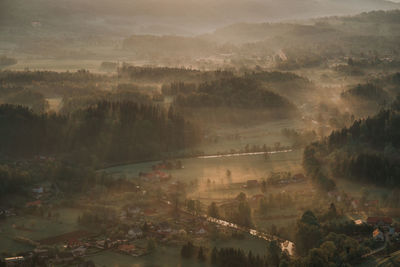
377	235
127	248
251	183
78	252
135	233
38	190
299	177
101	244
134	210
201	231
257	198
358	222
36	203
379	221
14	261
164	228
74	243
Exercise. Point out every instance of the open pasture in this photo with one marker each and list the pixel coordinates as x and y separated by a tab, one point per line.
36	228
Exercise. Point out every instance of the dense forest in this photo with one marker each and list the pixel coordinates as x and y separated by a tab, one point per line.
367	151
234	92
105	133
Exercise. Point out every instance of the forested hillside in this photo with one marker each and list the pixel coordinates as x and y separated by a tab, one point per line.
367	151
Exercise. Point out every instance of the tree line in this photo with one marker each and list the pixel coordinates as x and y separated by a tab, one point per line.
367	151
106	132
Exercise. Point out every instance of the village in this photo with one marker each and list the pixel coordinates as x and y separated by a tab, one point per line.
160	215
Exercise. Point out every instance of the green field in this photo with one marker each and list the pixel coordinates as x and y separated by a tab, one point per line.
243	168
170	256
35	228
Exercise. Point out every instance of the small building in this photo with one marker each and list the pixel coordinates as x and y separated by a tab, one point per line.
127	248
358	222
379	221
79	252
377	235
257	198
299	177
74	243
201	231
36	203
38	190
14	261
135	233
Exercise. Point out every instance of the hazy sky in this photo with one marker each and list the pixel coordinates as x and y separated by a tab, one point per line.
175	16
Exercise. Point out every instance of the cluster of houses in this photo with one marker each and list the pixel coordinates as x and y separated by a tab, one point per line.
285	178
352	203
154	176
168	165
383	228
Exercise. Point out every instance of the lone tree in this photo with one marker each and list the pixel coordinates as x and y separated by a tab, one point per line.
213	210
229	175
201	255
187	250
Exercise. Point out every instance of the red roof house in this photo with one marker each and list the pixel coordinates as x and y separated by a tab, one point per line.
380	221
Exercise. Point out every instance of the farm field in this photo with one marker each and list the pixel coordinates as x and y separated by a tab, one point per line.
36	228
165	256
268	133
243	168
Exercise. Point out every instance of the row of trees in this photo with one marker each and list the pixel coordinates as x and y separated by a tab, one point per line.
169	75
29	77
234	92
232	257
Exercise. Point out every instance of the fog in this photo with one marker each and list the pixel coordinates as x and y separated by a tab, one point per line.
170	16
223	133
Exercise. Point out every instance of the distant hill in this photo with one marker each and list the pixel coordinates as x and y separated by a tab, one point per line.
177	16
373	23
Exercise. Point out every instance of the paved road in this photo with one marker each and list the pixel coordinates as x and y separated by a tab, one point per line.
378	249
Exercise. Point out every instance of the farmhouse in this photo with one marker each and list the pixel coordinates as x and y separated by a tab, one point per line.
379	221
